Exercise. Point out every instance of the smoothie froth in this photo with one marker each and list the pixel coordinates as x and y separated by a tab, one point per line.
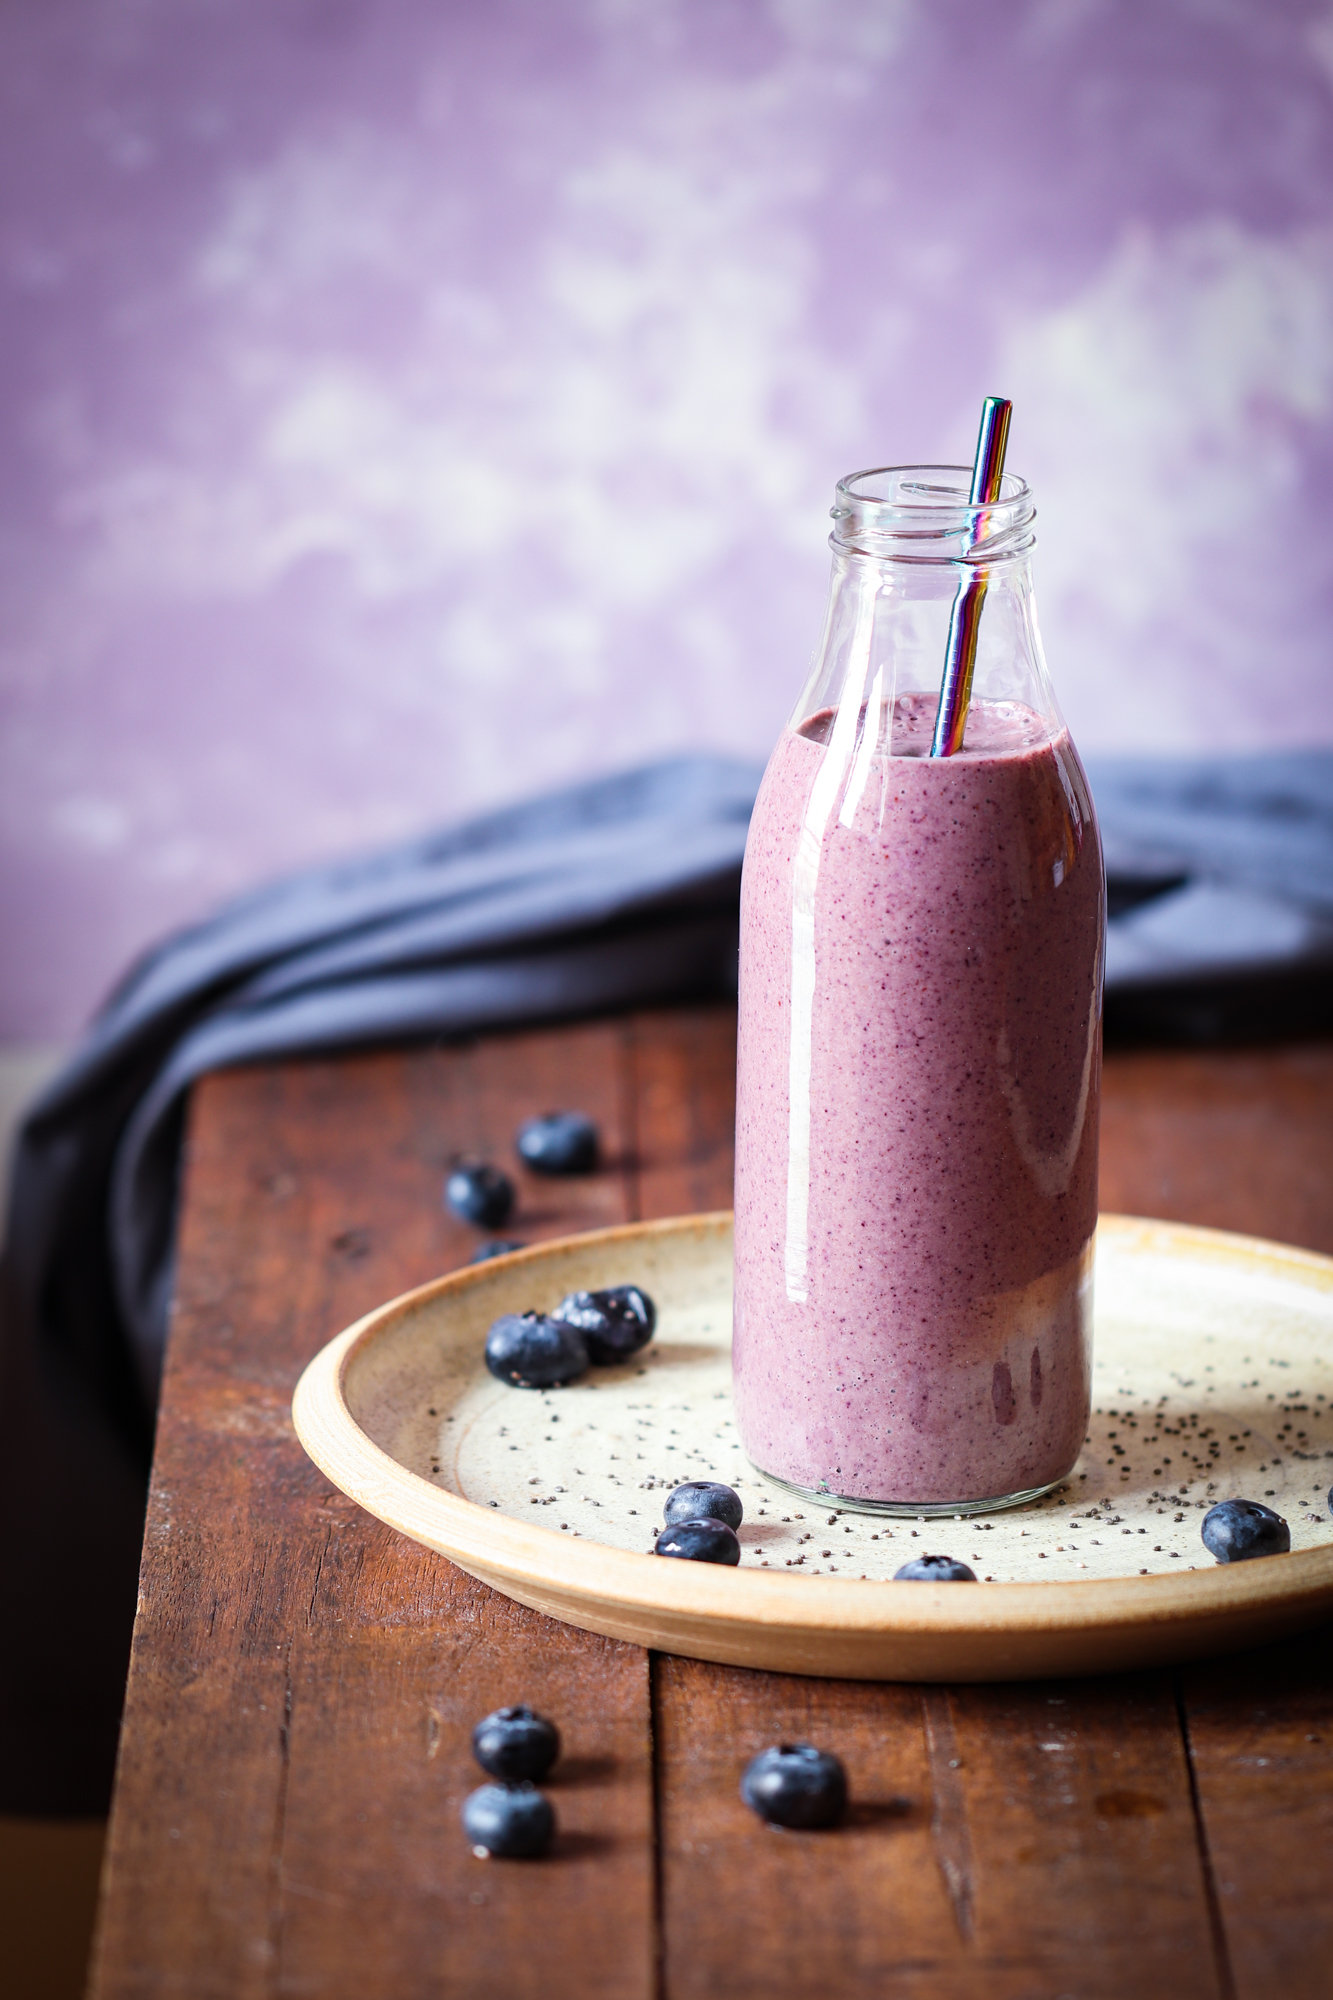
917	1110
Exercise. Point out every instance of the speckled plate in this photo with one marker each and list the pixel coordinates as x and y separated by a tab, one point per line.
1213	1378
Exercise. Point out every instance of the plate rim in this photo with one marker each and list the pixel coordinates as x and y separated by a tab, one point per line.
614	1583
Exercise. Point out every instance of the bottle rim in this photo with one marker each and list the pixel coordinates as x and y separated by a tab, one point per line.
923	513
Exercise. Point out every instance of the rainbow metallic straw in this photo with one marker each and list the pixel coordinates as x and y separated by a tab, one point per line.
961	653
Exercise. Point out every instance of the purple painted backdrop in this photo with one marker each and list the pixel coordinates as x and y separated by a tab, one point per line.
407	404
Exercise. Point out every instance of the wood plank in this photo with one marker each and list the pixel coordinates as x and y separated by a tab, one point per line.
1007	1841
1260	1731
681	1092
860	1909
1234	1138
1088	1874
303	1682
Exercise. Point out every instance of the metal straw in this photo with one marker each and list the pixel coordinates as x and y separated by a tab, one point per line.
961	654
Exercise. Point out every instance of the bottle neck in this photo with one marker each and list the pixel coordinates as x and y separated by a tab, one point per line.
886	639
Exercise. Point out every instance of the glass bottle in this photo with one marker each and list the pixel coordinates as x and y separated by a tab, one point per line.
919	1051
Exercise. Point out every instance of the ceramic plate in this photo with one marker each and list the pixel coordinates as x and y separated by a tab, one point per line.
1213	1377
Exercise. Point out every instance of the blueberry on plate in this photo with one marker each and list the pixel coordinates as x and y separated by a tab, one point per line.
515	1743
533	1352
704	1500
480	1193
512	1821
934	1569
560	1142
501	1247
699	1541
1238	1530
793	1784
616	1322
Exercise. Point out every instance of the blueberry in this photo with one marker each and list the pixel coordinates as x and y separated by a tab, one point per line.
516	1743
1238	1530
793	1784
699	1541
501	1247
561	1142
934	1569
615	1323
513	1821
480	1193
534	1352
704	1500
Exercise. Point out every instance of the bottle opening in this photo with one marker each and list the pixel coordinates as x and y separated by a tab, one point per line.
922	514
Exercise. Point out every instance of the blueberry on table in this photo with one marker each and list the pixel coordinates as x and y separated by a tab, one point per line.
704	1500
530	1351
616	1322
793	1784
1238	1530
934	1569
501	1247
515	1743
560	1142
480	1193
512	1821
699	1541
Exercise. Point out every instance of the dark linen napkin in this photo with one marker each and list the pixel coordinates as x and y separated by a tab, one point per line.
1220	893
616	893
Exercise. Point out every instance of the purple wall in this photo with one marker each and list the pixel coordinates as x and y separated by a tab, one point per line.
408	404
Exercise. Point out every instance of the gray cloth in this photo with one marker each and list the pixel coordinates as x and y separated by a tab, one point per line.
617	893
1220	888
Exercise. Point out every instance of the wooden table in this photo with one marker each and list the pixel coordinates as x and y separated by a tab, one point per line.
295	1748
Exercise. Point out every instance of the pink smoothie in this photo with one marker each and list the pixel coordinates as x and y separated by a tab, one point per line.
916	1127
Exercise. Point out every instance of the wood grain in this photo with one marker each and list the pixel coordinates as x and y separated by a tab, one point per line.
1006	1841
681	1094
1234	1138
863	1908
303	1682
1087	1873
1260	1736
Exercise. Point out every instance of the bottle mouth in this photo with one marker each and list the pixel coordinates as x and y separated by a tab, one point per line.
922	514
